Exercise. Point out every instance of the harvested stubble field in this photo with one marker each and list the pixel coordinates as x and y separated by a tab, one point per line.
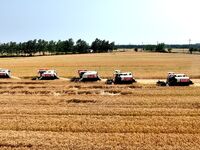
63	115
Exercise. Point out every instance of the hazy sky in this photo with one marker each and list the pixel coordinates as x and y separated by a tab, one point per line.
122	21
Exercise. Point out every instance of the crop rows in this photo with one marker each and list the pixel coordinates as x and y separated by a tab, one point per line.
123	117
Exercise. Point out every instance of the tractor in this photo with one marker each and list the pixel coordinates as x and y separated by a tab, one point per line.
121	78
5	73
176	80
85	75
46	74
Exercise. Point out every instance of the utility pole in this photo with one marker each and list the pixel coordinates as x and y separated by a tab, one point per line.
190	50
142	46
189	42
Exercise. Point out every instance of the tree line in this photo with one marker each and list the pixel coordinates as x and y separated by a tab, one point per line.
161	47
43	47
194	49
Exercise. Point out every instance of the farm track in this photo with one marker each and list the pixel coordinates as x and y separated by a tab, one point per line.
65	115
141	81
16	78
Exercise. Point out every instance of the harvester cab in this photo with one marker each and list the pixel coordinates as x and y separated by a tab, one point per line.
46	74
81	72
121	78
85	75
5	73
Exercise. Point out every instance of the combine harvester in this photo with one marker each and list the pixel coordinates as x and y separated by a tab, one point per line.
5	73
85	75
46	74
176	80
121	78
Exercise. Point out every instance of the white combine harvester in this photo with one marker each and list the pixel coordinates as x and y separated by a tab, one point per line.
5	73
85	75
176	80
121	78
46	74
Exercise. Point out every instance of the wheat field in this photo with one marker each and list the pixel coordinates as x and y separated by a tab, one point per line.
143	65
63	115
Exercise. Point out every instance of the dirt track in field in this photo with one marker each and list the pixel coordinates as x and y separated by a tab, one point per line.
153	81
147	81
16	78
140	81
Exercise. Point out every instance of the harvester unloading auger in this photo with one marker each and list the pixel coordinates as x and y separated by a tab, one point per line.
5	73
121	78
46	74
176	80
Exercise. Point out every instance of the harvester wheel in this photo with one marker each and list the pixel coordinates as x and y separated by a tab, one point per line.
134	81
191	82
109	81
161	83
34	78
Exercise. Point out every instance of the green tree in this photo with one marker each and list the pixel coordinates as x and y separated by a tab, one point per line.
96	45
1	49
31	47
112	46
81	46
102	46
149	47
160	47
51	47
191	50
59	46
42	46
68	46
